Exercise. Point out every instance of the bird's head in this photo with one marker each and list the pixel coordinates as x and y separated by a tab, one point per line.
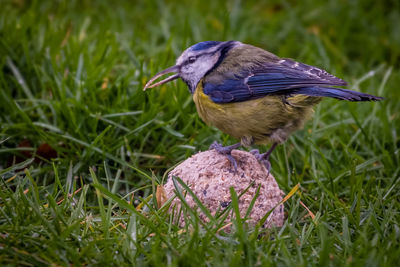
194	63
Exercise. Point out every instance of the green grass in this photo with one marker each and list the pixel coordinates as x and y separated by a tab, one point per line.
71	77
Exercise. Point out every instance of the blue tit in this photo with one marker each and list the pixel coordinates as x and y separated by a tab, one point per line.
252	94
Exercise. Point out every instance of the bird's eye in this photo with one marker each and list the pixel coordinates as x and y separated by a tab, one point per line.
192	59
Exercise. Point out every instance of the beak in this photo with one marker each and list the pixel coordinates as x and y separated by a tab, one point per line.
158	75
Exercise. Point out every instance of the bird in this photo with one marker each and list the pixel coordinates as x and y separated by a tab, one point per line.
252	94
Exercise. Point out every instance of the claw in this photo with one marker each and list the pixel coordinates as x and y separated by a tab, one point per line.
226	150
233	161
264	158
256	154
215	145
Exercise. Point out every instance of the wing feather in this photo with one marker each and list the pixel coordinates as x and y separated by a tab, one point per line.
278	78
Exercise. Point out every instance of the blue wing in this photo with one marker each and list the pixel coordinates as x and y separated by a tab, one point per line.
285	77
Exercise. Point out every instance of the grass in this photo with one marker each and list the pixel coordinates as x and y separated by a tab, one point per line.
82	147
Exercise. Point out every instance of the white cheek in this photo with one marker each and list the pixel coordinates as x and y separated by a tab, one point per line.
202	67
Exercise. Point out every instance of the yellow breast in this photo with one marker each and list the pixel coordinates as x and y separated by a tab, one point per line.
261	120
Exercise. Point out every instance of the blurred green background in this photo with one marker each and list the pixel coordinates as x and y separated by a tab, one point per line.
71	99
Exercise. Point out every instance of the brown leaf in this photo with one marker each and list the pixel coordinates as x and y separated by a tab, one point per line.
46	151
161	196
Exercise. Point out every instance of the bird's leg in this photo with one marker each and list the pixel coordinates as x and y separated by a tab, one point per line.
226	150
264	158
267	154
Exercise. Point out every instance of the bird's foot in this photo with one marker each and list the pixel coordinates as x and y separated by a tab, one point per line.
226	150
263	158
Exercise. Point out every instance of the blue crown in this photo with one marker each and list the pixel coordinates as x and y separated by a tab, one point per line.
204	45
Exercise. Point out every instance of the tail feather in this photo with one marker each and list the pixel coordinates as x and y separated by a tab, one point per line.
342	94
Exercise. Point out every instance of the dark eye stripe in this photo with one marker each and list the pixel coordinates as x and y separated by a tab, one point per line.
191	59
